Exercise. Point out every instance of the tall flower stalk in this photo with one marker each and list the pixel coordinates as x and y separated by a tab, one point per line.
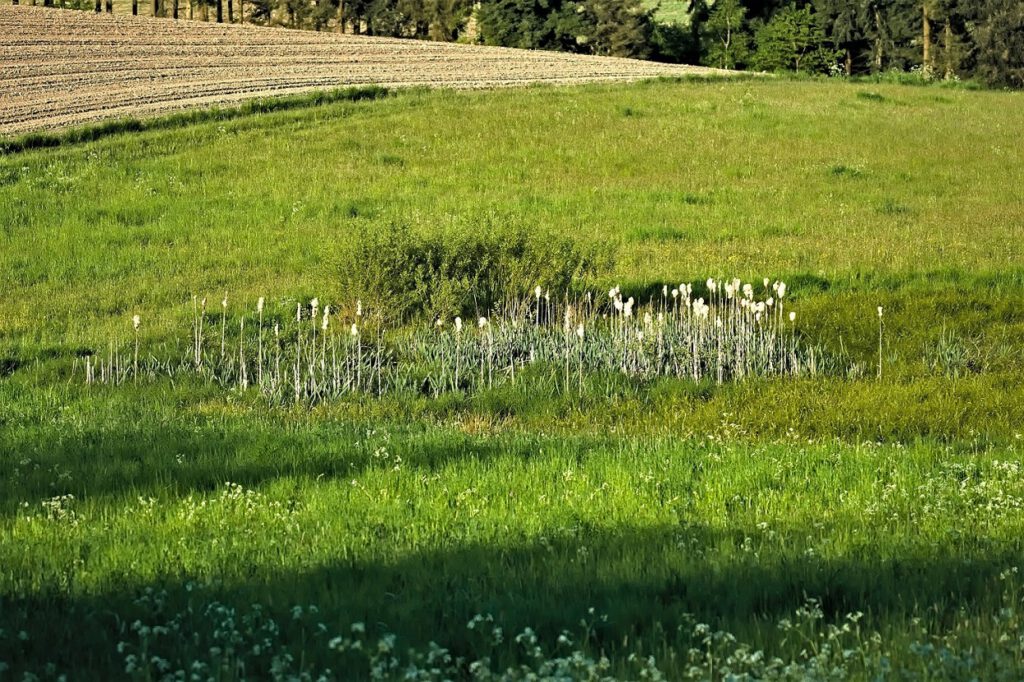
727	333
136	321
880	343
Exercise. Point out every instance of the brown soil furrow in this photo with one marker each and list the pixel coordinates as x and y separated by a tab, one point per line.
65	68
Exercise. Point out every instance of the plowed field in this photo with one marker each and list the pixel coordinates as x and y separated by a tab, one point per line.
64	68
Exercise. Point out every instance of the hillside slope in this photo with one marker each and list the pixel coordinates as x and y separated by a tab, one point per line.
64	68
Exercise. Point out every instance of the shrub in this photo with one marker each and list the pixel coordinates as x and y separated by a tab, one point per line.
466	270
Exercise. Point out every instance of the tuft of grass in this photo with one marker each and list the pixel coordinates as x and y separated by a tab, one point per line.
870	96
844	171
660	233
891	207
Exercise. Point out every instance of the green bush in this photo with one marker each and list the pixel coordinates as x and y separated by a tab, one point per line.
467	270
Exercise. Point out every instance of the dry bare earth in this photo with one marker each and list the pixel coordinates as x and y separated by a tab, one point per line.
61	68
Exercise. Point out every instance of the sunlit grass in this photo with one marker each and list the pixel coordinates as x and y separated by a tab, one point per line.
703	180
181	499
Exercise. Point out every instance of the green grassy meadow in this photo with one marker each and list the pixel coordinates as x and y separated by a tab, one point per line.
842	525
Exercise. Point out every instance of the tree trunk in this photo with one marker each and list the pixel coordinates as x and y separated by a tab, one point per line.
135	8
174	10
220	11
726	53
341	16
926	40
99	7
848	63
878	40
110	6
948	49
156	8
231	12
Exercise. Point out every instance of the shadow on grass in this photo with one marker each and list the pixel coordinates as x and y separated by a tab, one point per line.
153	458
645	580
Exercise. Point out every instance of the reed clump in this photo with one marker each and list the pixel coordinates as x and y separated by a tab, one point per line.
324	352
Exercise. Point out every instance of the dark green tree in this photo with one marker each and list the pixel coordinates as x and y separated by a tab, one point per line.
261	11
395	18
323	14
954	48
761	11
891	28
536	24
515	24
674	43
621	28
447	18
357	15
726	38
296	13
793	40
699	11
1000	40
845	22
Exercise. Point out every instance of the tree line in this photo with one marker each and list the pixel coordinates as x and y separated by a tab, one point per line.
950	39
977	39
